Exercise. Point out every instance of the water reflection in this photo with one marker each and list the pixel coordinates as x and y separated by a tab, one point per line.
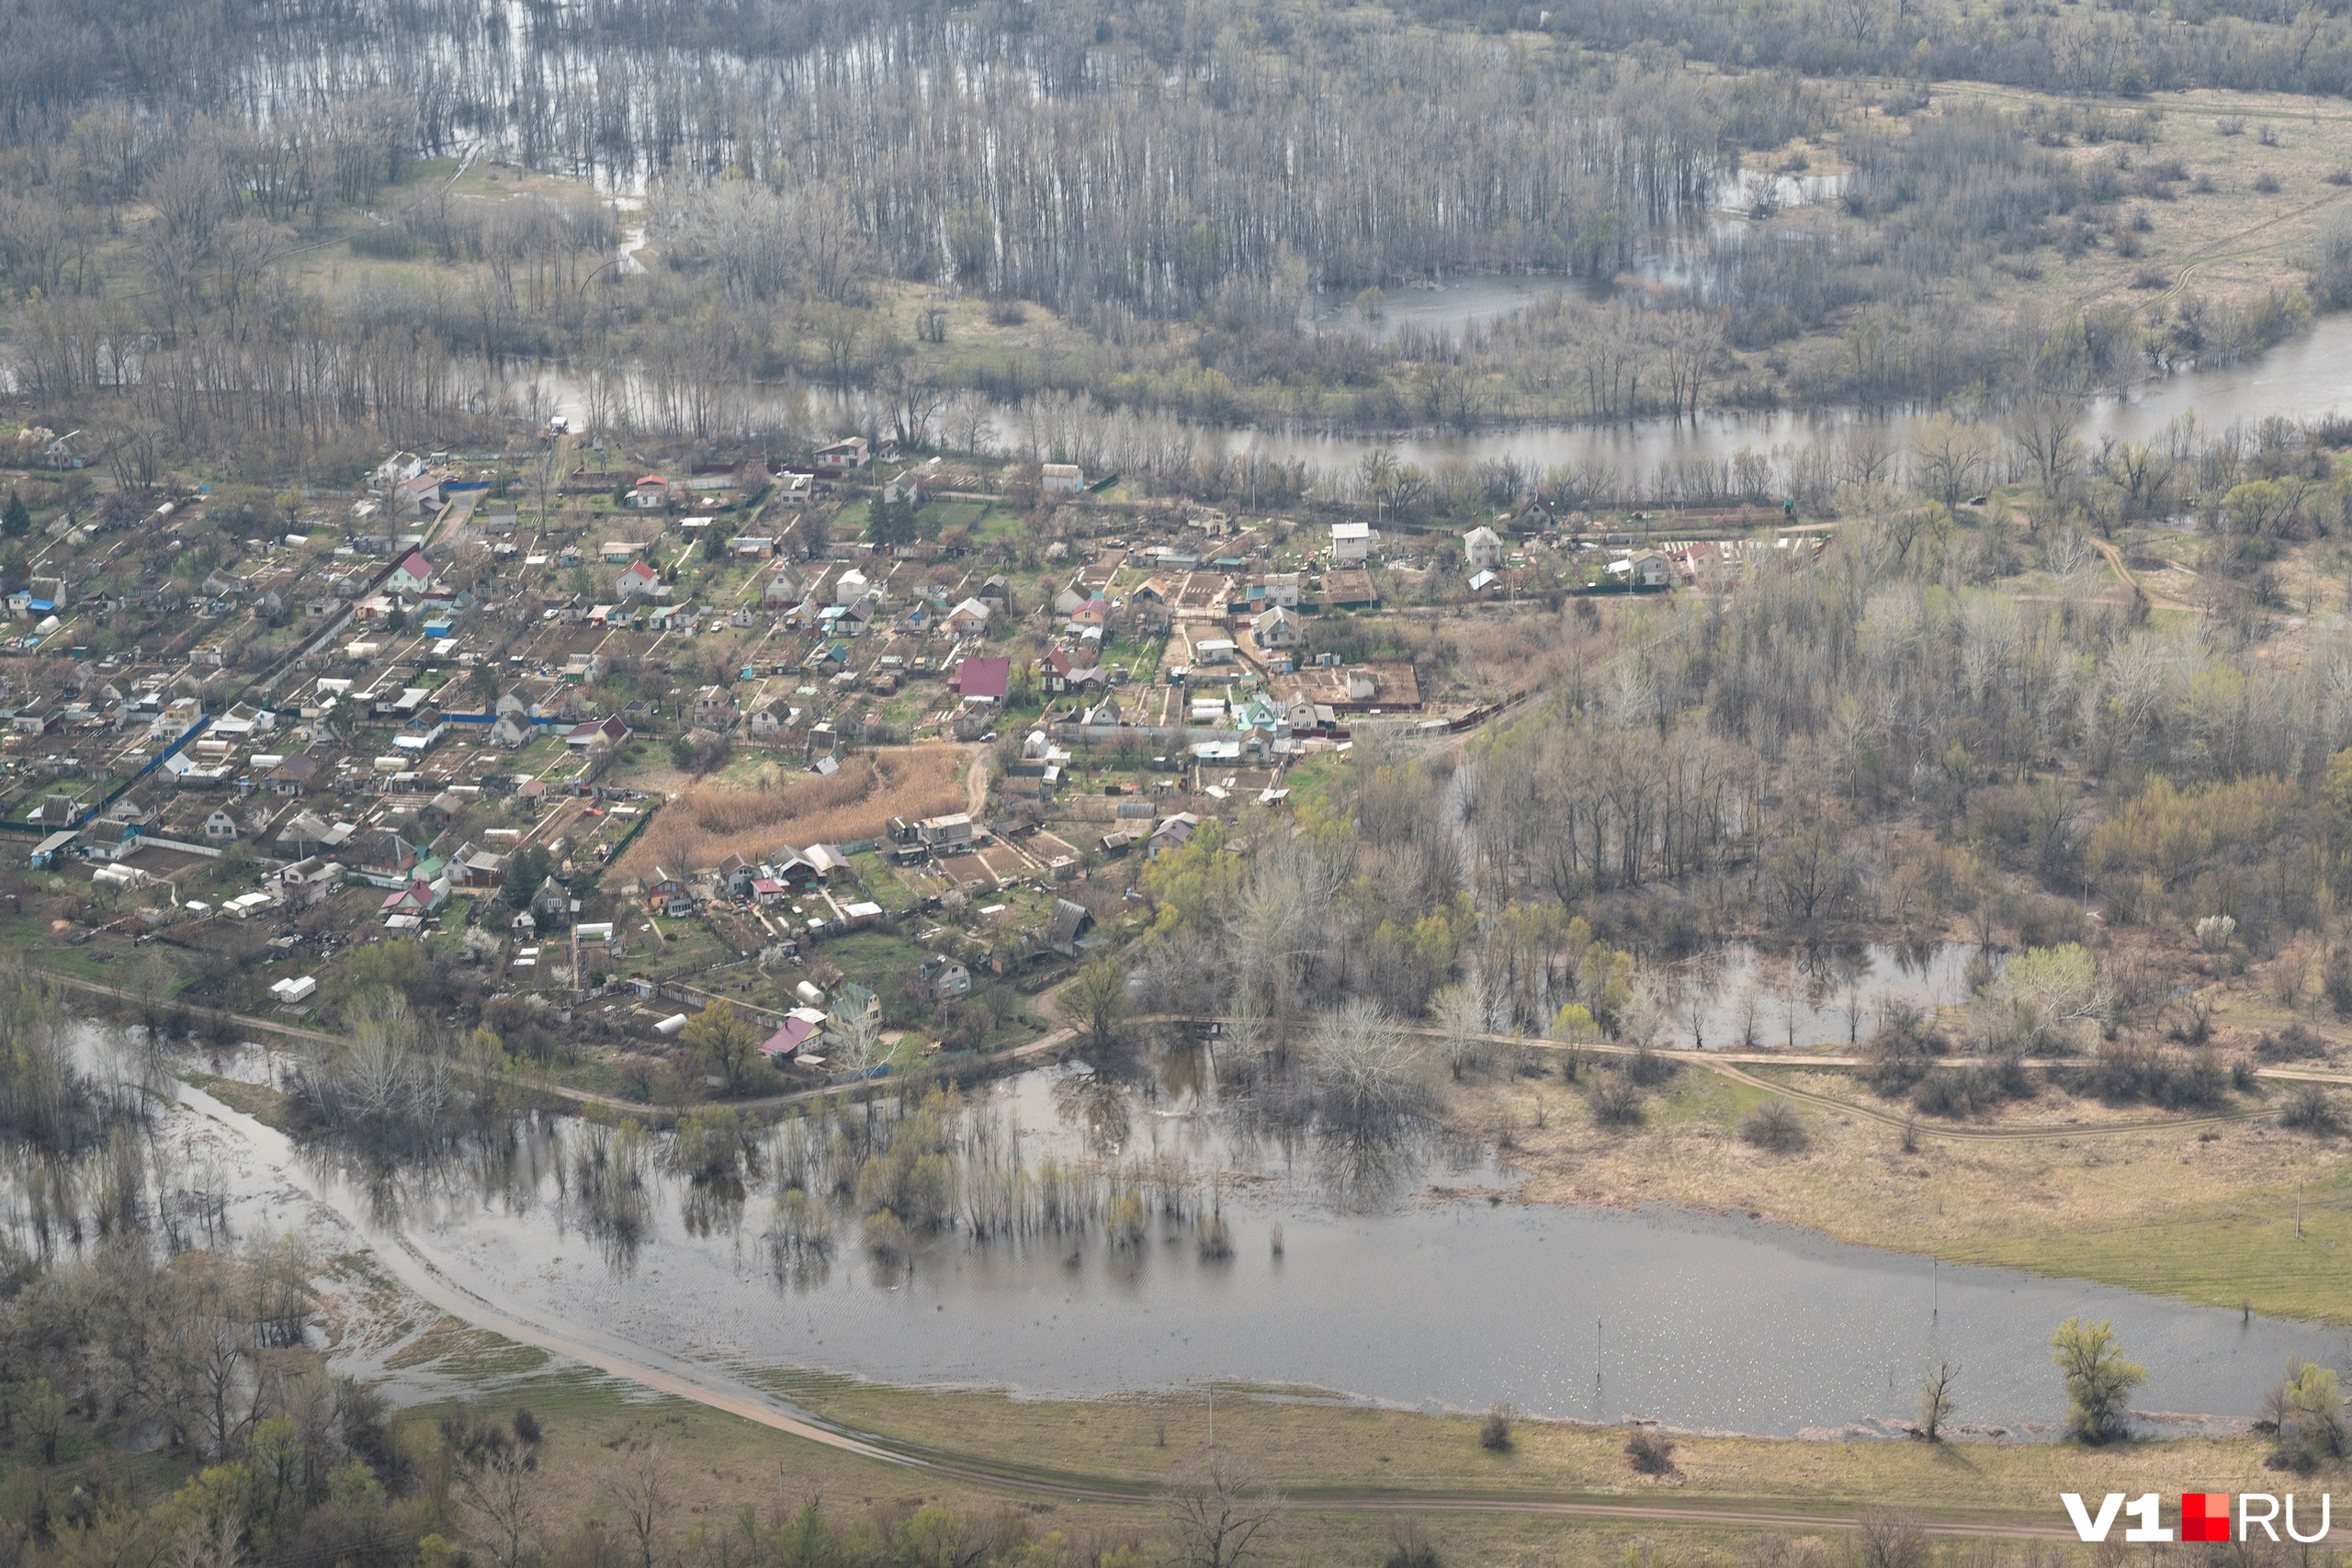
1740	996
1712	1323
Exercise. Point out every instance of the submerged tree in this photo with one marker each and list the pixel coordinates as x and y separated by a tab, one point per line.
1367	1071
1101	1001
2100	1381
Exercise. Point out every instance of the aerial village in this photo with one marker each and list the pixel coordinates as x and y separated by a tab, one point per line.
873	749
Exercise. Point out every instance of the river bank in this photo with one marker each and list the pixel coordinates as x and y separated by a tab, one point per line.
2229	1212
1559	1493
1326	1272
408	1305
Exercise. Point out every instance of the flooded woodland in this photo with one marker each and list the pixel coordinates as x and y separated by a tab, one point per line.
1161	1220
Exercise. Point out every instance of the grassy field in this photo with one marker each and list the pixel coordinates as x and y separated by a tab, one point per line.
2203	1213
1325	1449
1315	1452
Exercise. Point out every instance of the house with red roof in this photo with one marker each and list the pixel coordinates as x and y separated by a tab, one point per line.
413	575
982	680
800	1026
596	735
638	581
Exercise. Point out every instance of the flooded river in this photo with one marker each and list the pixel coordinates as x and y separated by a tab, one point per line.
2303	379
1651	458
1408	1278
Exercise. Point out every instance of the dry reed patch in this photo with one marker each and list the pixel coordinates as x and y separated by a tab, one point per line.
708	823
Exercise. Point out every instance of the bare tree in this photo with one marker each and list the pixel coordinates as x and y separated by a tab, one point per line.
857	1043
1893	1541
1936	1403
1461	1014
1950	458
495	1474
1367	1070
1220	1509
2043	428
643	1489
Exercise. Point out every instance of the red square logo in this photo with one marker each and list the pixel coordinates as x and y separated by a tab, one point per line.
2204	1516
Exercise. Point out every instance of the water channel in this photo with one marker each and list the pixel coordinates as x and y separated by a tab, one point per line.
1412	1279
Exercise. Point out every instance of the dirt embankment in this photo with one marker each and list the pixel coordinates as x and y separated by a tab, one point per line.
709	822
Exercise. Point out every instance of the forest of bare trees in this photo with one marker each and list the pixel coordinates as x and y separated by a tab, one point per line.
1176	187
1883	738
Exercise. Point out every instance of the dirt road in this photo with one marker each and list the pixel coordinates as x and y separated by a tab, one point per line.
1728	1064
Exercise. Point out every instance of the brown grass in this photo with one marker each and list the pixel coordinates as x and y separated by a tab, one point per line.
703	826
2089	1207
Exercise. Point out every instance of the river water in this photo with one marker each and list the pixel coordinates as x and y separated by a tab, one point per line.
1397	1281
2302	380
1737	996
1647	458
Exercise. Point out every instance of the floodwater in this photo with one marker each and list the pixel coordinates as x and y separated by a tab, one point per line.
1398	1281
1737	996
1454	305
2303	379
2300	380
1449	306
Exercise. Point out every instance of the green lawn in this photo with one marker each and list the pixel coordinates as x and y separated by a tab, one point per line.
998	523
941	515
2248	1247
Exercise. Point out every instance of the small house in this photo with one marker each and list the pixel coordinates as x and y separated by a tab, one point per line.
293	775
946	833
595	737
1277	629
1482	550
1351	542
800	1026
855	1007
412	575
415	497
715	707
551	903
982	680
945	977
